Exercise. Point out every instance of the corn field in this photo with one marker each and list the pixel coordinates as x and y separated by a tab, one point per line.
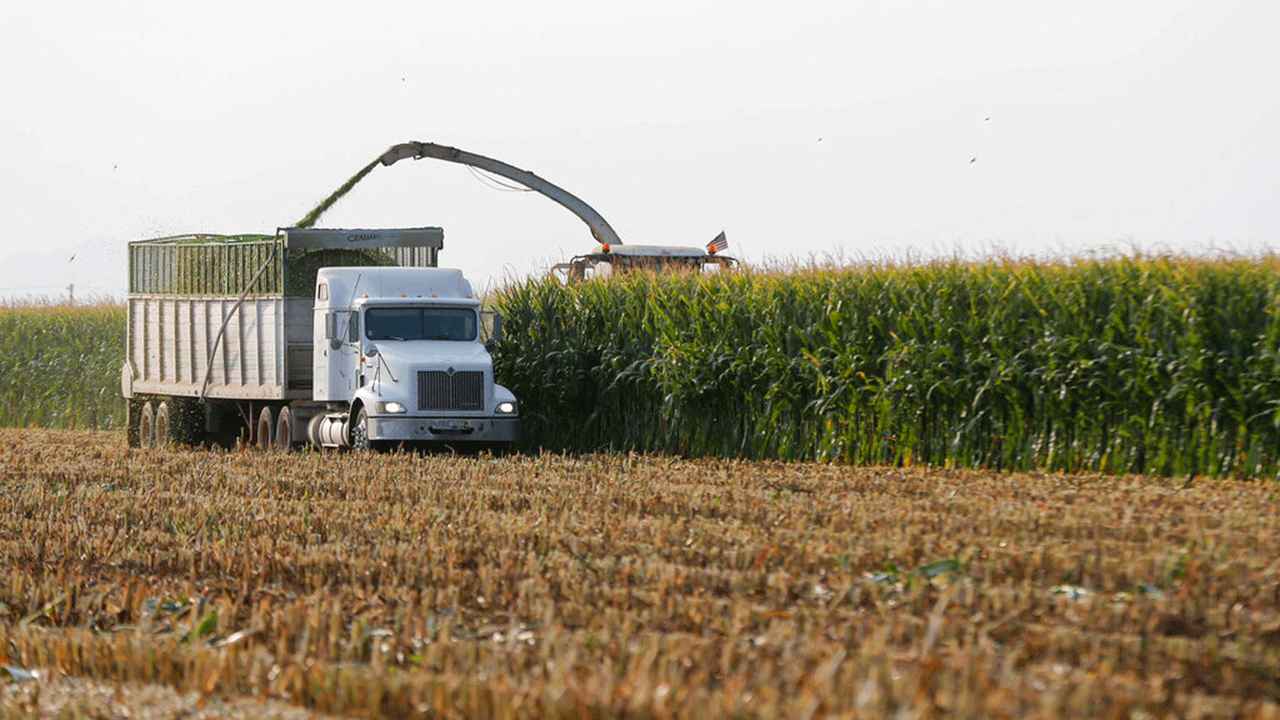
62	364
1159	365
544	586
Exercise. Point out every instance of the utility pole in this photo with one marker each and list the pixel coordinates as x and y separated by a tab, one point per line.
71	294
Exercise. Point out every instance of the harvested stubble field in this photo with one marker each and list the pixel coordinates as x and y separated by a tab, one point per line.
626	586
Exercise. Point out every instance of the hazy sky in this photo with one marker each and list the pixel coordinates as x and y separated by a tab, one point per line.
803	129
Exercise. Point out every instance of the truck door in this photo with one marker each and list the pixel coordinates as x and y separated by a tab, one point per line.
337	355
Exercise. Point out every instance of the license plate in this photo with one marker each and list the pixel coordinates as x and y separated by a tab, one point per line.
452	427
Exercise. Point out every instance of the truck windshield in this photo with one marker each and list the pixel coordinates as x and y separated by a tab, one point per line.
416	323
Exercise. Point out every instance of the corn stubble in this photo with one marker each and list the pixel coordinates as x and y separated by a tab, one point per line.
545	586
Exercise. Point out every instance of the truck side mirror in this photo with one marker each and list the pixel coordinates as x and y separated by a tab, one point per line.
495	329
331	330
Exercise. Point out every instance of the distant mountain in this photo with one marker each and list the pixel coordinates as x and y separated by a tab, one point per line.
94	268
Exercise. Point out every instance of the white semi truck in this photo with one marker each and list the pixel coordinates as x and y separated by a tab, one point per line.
338	338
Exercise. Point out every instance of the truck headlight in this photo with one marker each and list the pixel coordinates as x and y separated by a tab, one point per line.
506	408
392	407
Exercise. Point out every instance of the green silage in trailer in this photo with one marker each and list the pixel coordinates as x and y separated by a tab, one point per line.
218	265
1161	365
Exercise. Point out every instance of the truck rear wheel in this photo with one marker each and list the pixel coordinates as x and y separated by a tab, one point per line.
147	426
284	429
265	434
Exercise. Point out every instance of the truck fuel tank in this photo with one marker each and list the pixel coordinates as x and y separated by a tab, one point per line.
328	430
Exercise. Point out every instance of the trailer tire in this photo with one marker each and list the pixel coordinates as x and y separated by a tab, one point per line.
162	425
284	429
147	426
265	434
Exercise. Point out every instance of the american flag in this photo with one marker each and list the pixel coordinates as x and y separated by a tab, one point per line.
719	244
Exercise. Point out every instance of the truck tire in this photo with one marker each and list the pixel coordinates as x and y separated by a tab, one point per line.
147	426
284	429
162	424
360	432
265	434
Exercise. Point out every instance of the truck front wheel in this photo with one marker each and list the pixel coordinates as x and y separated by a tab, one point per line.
360	432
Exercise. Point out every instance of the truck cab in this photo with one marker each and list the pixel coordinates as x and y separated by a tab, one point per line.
403	355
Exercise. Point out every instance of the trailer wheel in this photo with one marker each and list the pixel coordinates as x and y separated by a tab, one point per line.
266	429
162	423
147	426
284	429
360	432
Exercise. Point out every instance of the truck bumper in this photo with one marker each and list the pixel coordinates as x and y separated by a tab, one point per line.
449	430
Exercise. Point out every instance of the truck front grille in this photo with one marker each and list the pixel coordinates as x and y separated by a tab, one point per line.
439	390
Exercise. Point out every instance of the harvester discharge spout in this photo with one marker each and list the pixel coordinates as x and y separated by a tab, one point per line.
396	153
600	228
